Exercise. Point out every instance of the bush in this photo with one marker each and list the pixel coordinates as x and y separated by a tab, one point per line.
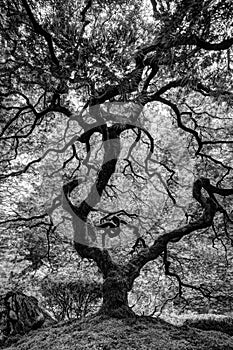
68	300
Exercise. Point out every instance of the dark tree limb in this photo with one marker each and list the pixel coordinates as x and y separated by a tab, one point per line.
101	257
84	11
210	207
132	269
39	30
202	44
18	219
167	265
179	122
80	212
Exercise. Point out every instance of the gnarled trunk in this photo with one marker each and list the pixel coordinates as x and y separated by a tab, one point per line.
115	296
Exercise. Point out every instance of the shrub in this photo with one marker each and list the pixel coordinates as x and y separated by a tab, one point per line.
68	300
219	323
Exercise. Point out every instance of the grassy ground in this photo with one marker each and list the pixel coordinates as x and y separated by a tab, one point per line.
143	333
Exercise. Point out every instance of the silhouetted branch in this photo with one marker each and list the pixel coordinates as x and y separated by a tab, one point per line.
39	30
210	207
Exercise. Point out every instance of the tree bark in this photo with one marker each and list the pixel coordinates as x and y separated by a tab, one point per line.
115	295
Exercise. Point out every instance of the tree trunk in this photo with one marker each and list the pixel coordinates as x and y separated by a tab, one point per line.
115	296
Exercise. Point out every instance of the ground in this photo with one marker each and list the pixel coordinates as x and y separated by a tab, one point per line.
102	333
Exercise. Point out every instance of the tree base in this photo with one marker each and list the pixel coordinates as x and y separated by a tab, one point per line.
121	312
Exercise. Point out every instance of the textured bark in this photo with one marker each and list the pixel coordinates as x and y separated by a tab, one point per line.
115	295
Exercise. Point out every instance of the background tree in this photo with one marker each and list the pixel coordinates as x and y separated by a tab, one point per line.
78	81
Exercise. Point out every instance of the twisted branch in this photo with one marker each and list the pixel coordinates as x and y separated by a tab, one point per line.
210	207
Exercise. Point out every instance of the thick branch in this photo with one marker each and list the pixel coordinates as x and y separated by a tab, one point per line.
223	45
84	11
79	213
18	219
39	30
210	207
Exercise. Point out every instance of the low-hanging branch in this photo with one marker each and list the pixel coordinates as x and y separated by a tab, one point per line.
210	207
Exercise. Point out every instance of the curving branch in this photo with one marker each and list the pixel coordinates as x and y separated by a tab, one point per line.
193	40
167	264
210	207
180	124
18	219
39	30
85	10
102	258
202	44
79	213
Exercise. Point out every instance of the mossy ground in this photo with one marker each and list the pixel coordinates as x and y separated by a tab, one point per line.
102	333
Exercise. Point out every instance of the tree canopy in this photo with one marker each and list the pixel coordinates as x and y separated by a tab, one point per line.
116	130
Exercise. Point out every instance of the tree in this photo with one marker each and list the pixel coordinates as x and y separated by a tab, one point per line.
94	74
